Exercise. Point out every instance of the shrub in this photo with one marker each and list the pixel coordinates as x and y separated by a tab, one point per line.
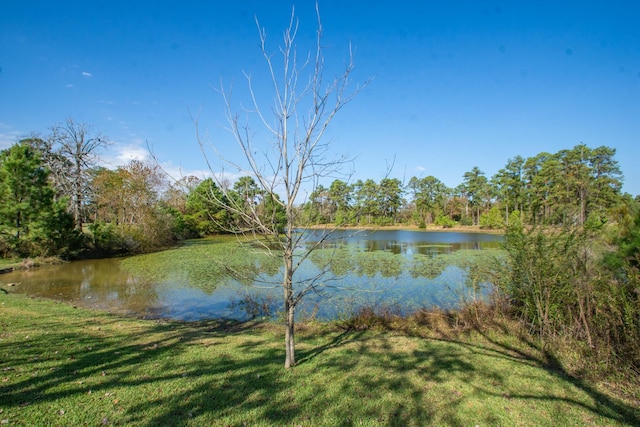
515	219
107	239
466	220
559	287
365	318
492	219
444	221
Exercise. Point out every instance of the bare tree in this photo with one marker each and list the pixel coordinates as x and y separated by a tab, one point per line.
75	153
293	158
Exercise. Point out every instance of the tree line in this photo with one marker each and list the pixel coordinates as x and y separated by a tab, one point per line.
571	187
57	200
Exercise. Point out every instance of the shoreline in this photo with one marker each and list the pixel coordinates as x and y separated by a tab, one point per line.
27	263
406	227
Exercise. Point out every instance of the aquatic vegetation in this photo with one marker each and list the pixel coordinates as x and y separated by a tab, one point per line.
353	276
235	277
478	262
204	264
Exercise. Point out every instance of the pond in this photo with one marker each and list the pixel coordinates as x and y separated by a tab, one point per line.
400	270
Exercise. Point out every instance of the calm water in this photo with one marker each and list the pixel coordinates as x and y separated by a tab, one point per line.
402	270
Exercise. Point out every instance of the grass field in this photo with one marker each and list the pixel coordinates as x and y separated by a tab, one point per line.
65	366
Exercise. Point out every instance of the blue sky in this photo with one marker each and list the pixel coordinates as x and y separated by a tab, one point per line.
456	84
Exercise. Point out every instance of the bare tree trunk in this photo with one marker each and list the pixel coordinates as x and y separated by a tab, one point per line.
289	296
506	213
78	198
289	335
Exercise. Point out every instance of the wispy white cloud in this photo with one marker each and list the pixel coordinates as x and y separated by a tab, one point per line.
126	153
133	153
421	168
69	85
7	139
8	136
87	74
175	173
120	153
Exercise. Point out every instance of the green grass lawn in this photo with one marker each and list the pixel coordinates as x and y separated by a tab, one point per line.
65	366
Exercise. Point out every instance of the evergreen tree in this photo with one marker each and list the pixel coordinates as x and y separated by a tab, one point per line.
205	209
30	222
476	188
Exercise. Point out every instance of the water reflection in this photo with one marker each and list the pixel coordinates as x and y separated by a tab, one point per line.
410	271
99	284
404	242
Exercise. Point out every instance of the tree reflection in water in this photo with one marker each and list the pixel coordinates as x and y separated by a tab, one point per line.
404	270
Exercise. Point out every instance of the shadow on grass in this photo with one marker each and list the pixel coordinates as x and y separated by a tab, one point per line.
436	364
603	404
187	376
55	366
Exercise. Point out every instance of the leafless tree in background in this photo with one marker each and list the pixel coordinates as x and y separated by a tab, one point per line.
75	148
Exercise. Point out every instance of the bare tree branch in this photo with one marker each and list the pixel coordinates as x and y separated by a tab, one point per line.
303	106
